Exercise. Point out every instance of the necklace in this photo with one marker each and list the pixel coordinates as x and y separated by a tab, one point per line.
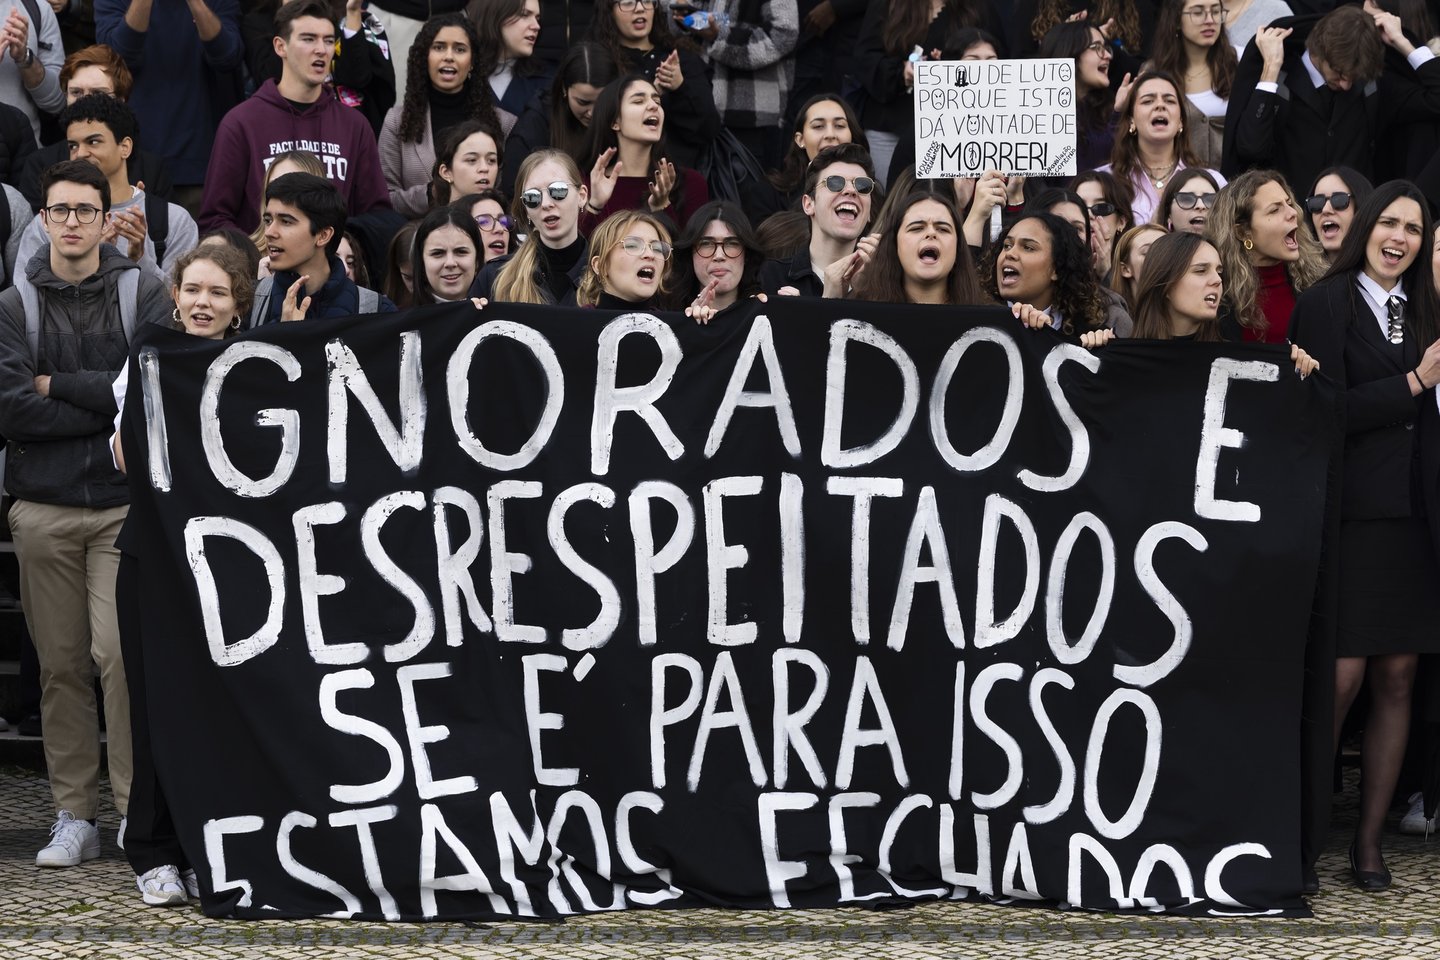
1159	181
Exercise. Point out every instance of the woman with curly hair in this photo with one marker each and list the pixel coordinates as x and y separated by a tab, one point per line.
921	257
629	263
631	167
891	30
638	36
1190	42
441	90
1150	142
1268	260
1040	269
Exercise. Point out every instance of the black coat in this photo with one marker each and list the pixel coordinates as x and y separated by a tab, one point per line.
17	143
1294	131
1334	324
691	120
563	23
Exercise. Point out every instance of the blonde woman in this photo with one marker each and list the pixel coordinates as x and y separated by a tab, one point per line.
629	263
549	196
1268	260
1129	258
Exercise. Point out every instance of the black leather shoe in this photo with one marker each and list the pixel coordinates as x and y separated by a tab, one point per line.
1371	881
1312	882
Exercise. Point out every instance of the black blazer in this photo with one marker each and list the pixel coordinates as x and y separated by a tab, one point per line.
1334	324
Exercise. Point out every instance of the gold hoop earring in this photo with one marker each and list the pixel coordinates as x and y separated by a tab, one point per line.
1249	244
1132	129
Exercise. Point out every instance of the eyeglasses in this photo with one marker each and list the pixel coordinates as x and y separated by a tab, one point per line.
629	5
835	183
1338	200
558	190
1201	14
1102	209
487	222
84	213
706	246
637	247
1098	46
1188	200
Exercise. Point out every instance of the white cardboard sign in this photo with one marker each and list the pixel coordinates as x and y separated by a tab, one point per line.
1014	116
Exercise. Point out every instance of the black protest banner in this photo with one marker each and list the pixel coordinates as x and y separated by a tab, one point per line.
529	612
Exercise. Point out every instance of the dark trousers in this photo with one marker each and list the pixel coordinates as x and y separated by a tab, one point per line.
150	839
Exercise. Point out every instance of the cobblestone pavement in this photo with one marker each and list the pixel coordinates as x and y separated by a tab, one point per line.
93	911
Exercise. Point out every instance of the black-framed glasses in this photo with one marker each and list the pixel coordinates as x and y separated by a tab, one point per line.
706	246
533	197
1201	14
632	5
487	222
1102	209
637	247
1338	201
1188	200
836	183
84	213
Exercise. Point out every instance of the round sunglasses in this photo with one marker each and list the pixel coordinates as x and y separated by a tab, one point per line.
558	191
835	183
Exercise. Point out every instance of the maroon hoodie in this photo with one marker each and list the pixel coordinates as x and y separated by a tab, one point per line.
267	125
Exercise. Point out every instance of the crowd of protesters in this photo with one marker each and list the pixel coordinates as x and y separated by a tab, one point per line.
218	167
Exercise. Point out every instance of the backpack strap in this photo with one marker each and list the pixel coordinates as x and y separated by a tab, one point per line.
262	302
32	7
30	303
129	292
157	224
5	227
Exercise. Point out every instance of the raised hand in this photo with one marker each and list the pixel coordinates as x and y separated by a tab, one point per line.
603	178
289	310
661	186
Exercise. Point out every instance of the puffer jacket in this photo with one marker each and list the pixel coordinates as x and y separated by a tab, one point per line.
58	448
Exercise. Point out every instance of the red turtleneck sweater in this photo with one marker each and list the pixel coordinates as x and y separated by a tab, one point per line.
1276	300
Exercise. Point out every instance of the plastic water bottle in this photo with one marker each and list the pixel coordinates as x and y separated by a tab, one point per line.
701	19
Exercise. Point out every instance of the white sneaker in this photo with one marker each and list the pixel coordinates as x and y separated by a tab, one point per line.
120	837
1414	821
72	842
161	887
192	885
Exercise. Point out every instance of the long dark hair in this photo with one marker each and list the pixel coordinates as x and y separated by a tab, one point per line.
1356	183
588	63
1047	200
884	277
907	21
440	188
1166	262
451	215
1125	157
1178	182
489	17
604	32
684	285
1123	12
603	136
415	112
1423	303
1118	193
791	175
1078	296
1067	41
1168	49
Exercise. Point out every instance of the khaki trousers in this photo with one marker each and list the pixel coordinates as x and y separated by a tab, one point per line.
68	562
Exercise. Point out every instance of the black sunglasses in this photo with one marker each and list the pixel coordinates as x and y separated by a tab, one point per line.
1339	200
1102	209
1188	200
835	183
